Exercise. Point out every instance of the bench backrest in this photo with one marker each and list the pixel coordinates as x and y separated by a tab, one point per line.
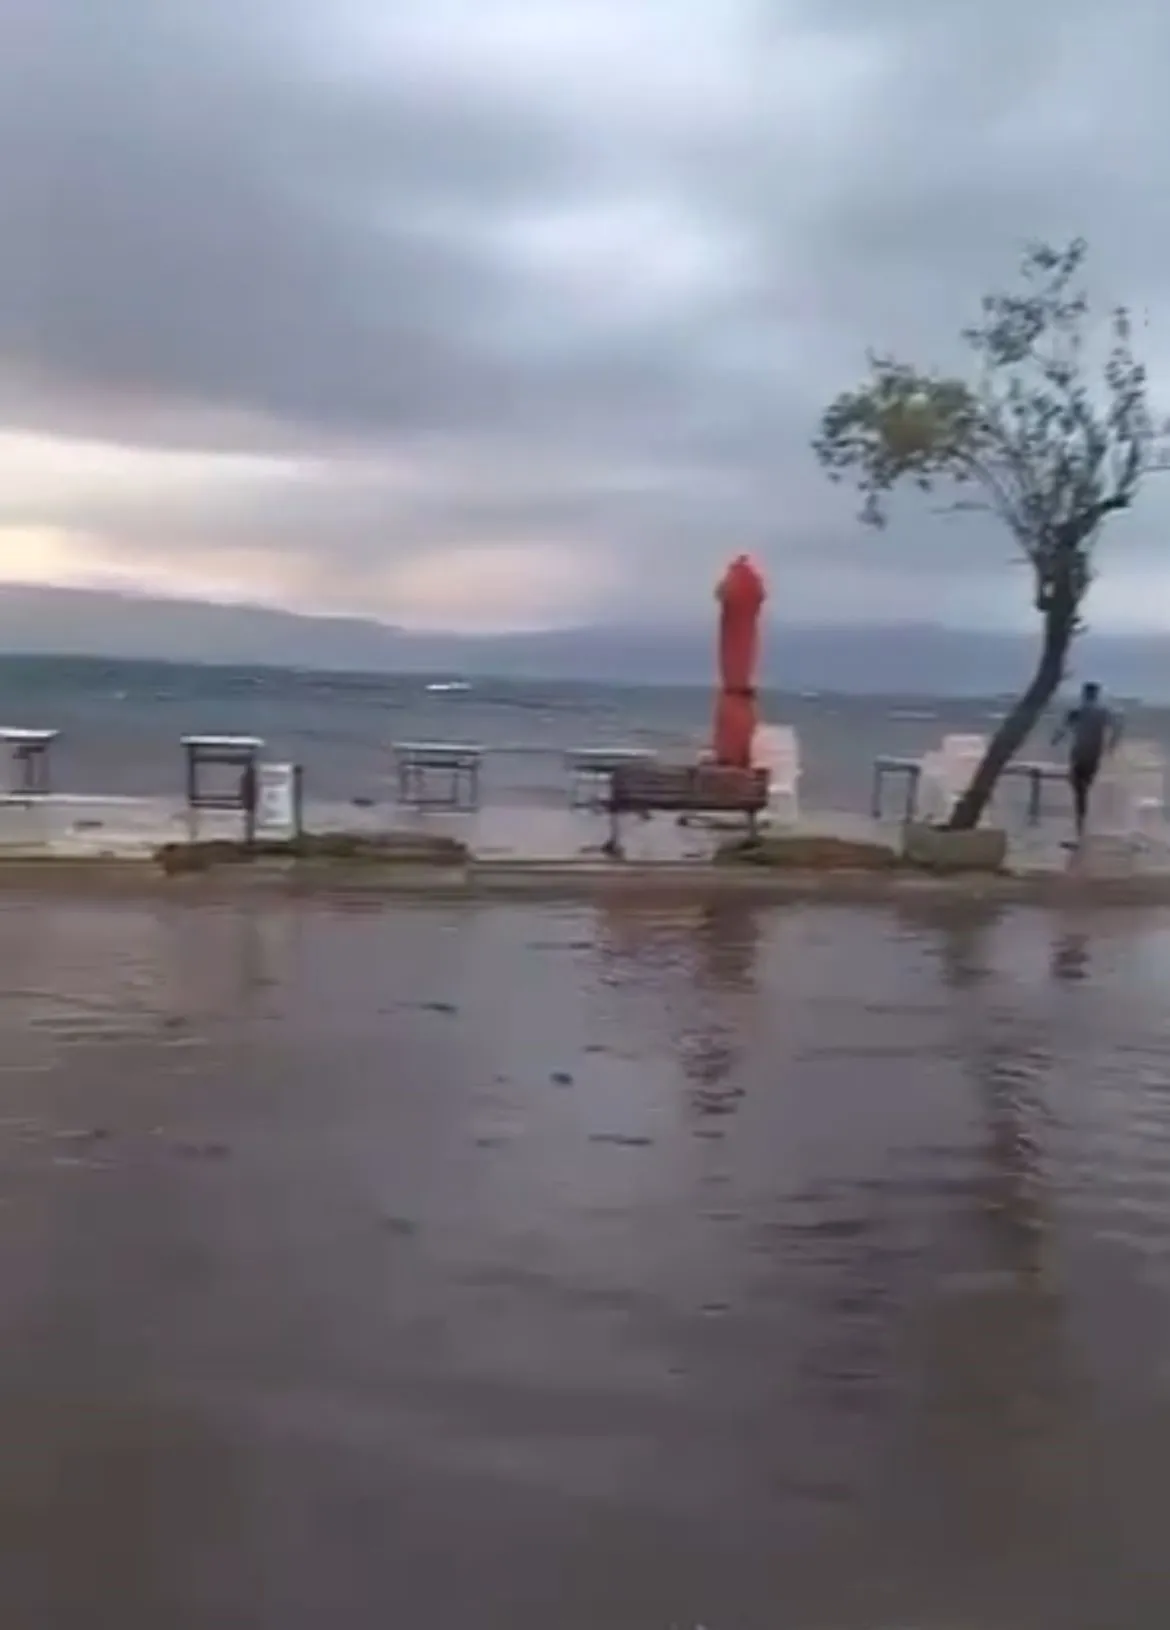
688	787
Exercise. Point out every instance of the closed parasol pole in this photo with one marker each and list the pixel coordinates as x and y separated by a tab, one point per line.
741	595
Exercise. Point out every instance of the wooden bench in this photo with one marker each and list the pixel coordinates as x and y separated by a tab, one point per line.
438	774
683	789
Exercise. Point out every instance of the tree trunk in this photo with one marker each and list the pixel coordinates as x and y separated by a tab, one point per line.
1059	623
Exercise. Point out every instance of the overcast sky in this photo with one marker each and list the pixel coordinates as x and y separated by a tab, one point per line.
518	313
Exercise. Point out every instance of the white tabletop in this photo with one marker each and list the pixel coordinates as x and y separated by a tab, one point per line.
221	741
466	749
30	738
608	755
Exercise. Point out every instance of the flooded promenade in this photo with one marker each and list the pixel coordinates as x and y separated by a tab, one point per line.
583	1267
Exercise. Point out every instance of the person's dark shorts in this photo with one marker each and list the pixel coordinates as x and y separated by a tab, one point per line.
1082	772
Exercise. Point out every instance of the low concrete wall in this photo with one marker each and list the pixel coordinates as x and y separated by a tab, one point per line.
653	885
808	852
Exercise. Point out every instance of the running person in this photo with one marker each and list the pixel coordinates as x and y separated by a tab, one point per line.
1092	730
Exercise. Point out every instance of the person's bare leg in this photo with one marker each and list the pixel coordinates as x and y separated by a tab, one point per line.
1083	781
1079	787
1080	805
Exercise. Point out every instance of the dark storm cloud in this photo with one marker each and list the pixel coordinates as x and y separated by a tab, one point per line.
637	263
197	206
232	230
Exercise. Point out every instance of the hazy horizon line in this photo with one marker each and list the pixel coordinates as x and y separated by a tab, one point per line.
683	626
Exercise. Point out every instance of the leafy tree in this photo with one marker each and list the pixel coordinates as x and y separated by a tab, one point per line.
1034	439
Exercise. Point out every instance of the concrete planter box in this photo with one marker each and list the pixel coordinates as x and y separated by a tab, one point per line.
935	849
806	852
403	849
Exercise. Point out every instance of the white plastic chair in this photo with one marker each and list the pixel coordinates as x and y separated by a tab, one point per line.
947	772
1135	776
776	747
958	748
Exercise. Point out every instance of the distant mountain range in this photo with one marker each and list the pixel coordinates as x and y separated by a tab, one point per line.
896	660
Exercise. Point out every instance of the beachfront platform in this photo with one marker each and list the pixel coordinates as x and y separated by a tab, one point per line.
94	827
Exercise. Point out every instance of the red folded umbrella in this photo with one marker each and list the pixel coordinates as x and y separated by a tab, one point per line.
741	595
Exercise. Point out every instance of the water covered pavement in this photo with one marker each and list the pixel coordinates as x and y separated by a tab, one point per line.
740	1267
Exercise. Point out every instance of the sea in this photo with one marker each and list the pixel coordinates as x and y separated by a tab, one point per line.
120	724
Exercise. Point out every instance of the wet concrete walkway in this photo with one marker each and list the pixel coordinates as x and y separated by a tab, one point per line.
525	1267
137	827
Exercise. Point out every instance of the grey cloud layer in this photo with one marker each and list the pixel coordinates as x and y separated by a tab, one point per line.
288	216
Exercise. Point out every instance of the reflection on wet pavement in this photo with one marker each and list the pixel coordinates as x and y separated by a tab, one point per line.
583	1267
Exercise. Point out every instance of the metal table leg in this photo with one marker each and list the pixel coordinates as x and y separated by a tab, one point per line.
911	808
1036	779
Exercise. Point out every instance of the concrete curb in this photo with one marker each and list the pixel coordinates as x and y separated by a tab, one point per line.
668	883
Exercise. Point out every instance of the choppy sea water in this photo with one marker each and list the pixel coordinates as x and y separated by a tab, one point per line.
504	1266
122	722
